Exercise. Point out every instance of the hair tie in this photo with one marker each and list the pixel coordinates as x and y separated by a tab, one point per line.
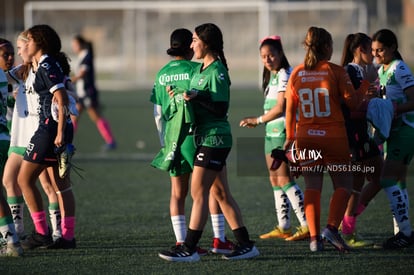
271	37
5	44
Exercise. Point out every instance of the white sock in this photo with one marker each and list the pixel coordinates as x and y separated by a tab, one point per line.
8	230
399	209
179	227
55	221
296	197
218	223
282	206
17	214
395	225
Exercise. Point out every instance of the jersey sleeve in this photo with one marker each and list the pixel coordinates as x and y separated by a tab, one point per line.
52	76
353	75
404	76
220	85
283	80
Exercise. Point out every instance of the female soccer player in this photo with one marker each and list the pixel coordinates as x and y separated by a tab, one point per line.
7	59
357	60
287	194
316	89
24	123
51	67
87	93
173	117
397	85
209	95
7	228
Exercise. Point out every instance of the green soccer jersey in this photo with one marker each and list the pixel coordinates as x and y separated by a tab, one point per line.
277	84
4	131
212	83
177	73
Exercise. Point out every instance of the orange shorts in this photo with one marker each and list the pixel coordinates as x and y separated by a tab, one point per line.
322	146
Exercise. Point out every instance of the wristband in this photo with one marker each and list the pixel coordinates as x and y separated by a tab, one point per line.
259	120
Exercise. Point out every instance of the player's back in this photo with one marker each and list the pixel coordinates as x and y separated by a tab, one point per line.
319	93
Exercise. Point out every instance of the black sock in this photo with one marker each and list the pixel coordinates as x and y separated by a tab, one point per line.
242	236
192	238
332	228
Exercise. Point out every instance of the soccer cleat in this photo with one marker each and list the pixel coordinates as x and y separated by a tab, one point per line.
200	251
354	240
316	245
277	233
180	253
109	147
220	247
398	241
301	234
335	239
240	252
64	158
11	250
36	240
62	243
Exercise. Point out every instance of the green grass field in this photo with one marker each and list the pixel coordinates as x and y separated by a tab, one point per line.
123	208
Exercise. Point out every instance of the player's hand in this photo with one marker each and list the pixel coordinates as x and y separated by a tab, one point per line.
188	95
248	122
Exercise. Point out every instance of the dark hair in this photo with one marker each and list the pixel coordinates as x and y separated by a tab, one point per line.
180	42
84	44
316	43
352	42
5	42
388	39
211	35
284	63
47	39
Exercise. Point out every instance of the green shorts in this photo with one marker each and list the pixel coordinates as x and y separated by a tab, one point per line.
400	145
273	143
184	160
17	150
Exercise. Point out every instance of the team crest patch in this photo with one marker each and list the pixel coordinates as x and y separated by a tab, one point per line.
45	65
200	81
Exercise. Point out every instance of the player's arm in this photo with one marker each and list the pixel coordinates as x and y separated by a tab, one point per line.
276	112
81	74
60	97
159	123
291	110
218	108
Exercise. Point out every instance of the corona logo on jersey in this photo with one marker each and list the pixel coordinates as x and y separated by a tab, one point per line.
168	78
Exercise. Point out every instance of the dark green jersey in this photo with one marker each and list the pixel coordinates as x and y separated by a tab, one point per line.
212	84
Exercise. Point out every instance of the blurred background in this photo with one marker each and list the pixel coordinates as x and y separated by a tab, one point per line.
130	37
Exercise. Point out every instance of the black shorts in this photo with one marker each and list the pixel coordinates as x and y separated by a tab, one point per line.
90	99
41	148
211	158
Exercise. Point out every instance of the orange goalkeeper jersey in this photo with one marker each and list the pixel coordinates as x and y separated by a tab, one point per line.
317	95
